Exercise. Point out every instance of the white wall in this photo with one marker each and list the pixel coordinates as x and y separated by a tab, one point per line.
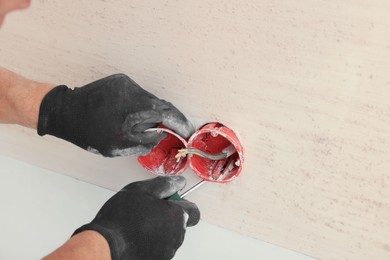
40	210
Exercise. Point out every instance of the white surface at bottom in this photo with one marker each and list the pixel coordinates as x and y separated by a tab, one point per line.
41	209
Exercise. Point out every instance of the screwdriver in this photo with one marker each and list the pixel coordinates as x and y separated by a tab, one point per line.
177	197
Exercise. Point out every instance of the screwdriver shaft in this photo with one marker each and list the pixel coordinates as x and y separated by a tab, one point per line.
192	189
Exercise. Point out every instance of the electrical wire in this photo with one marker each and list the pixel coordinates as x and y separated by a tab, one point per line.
194	151
159	129
228	151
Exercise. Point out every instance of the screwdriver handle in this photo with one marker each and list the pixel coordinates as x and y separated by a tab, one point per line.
175	197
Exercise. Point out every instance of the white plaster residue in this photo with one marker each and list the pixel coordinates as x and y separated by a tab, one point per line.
160	171
184	130
176	184
186	217
133	151
93	150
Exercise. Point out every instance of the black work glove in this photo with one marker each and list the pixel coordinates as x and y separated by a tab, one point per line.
139	224
109	117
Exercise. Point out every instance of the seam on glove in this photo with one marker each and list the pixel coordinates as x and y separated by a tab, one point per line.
47	108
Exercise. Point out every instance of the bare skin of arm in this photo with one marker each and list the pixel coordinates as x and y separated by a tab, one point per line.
85	245
20	99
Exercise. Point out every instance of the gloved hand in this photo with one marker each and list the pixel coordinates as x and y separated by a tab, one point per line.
109	117
139	224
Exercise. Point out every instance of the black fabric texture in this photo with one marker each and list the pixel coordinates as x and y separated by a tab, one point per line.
109	117
139	224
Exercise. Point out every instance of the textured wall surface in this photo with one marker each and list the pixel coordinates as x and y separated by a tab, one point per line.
306	84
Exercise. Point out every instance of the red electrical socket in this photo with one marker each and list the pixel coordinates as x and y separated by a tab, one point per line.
211	138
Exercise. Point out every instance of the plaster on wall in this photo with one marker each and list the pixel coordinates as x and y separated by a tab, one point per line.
304	83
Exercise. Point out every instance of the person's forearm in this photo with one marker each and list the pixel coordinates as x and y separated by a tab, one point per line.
20	99
85	245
